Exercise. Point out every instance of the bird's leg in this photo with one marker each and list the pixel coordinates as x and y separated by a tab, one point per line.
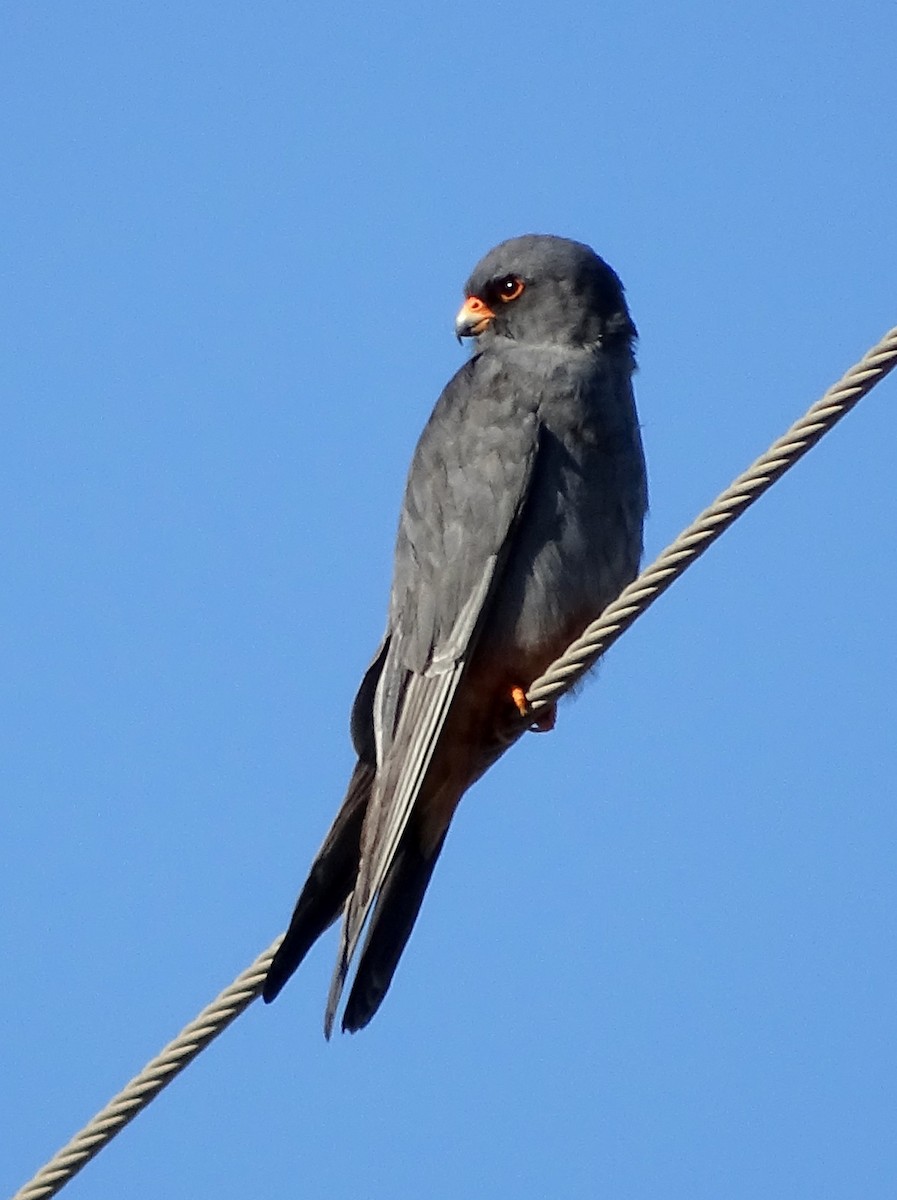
544	722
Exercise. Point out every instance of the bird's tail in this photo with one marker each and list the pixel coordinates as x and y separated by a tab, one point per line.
329	883
390	927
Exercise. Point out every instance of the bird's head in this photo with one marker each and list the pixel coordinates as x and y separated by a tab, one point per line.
541	289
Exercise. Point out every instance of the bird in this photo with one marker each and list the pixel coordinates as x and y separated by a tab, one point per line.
522	519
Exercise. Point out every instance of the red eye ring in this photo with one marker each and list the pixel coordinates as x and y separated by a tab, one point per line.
509	288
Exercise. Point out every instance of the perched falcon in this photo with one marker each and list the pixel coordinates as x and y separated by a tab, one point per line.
522	519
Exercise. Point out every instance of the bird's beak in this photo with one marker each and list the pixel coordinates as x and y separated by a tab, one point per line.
473	317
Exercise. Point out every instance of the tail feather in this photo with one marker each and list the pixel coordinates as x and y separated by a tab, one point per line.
390	927
329	884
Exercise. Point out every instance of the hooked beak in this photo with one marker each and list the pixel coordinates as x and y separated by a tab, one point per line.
473	317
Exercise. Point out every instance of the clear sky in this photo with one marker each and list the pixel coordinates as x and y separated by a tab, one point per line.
658	955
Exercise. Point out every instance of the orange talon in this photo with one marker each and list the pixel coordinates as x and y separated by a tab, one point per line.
544	721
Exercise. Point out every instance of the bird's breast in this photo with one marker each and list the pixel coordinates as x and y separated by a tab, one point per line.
578	540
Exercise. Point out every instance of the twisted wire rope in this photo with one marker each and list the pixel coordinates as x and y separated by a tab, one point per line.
549	687
710	524
147	1084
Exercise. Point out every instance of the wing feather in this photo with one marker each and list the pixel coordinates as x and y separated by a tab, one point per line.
468	485
410	711
425	706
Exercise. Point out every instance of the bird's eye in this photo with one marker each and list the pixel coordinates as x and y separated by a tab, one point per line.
509	288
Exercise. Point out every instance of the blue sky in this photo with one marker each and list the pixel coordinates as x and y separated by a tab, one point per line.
657	958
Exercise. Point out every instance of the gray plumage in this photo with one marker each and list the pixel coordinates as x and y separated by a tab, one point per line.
522	519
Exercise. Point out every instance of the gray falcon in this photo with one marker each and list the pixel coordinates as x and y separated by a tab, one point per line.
522	519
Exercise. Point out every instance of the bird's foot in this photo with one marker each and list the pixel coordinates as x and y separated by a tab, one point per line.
543	722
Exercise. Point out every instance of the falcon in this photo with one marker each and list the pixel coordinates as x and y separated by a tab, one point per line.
521	520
